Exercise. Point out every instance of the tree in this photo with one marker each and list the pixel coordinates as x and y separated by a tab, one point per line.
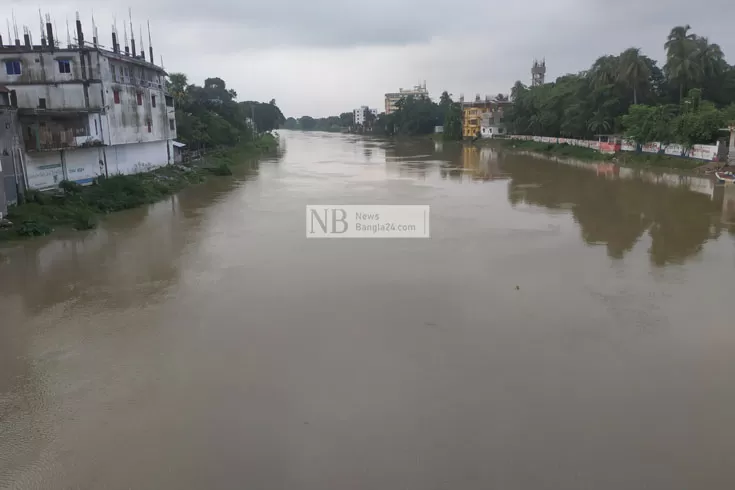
453	122
649	123
307	123
517	91
208	115
634	71
682	65
699	121
600	122
605	71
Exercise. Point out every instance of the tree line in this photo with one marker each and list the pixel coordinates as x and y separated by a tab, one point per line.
413	116
687	101
211	116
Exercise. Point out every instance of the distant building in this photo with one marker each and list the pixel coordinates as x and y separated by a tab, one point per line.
483	117
538	73
359	114
393	97
85	111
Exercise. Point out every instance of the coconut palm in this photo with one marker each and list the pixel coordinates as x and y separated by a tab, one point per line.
634	71
682	64
599	123
711	58
517	90
604	71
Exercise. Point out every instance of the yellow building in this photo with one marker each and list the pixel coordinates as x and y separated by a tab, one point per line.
472	116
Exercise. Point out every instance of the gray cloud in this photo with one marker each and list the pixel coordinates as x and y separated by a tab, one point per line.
326	56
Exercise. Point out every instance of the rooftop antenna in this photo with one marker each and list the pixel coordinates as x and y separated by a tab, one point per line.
132	32
56	41
125	33
68	35
94	31
142	44
150	44
50	32
43	31
9	36
15	28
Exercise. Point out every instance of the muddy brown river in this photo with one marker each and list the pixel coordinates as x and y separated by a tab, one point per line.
566	326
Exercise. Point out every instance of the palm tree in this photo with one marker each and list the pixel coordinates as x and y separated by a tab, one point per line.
600	122
634	71
517	90
604	71
711	57
681	58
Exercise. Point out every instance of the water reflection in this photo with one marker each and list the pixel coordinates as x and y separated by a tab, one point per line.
619	212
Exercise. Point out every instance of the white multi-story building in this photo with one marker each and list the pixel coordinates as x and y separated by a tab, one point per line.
392	97
358	115
84	111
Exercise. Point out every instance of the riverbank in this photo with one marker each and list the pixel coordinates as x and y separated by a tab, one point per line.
81	207
629	159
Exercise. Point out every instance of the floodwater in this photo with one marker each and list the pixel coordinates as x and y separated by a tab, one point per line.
565	327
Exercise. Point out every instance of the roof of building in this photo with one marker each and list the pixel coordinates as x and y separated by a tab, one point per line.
4	89
131	59
178	144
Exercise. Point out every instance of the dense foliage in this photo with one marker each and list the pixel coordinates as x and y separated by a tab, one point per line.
414	116
343	122
210	116
687	101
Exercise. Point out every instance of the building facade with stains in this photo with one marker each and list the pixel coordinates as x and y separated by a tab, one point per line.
84	111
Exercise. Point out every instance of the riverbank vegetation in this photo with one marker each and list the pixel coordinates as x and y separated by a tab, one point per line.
686	101
80	207
210	116
415	116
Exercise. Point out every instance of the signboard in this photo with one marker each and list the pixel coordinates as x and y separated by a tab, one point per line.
674	149
44	170
704	152
651	147
628	145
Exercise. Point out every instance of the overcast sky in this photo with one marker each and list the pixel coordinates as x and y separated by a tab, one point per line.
323	57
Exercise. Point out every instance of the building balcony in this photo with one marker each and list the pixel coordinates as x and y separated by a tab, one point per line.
53	134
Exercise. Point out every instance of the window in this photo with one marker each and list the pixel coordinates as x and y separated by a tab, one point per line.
153	100
116	96
120	68
64	66
41	103
95	127
169	101
140	98
12	67
171	124
149	125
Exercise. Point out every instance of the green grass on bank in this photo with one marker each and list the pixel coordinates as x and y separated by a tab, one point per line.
80	207
623	158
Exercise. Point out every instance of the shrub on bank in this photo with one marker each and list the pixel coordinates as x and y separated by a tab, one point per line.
78	207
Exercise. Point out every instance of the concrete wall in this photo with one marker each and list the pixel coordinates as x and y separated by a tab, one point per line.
41	78
44	169
9	152
137	158
83	165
